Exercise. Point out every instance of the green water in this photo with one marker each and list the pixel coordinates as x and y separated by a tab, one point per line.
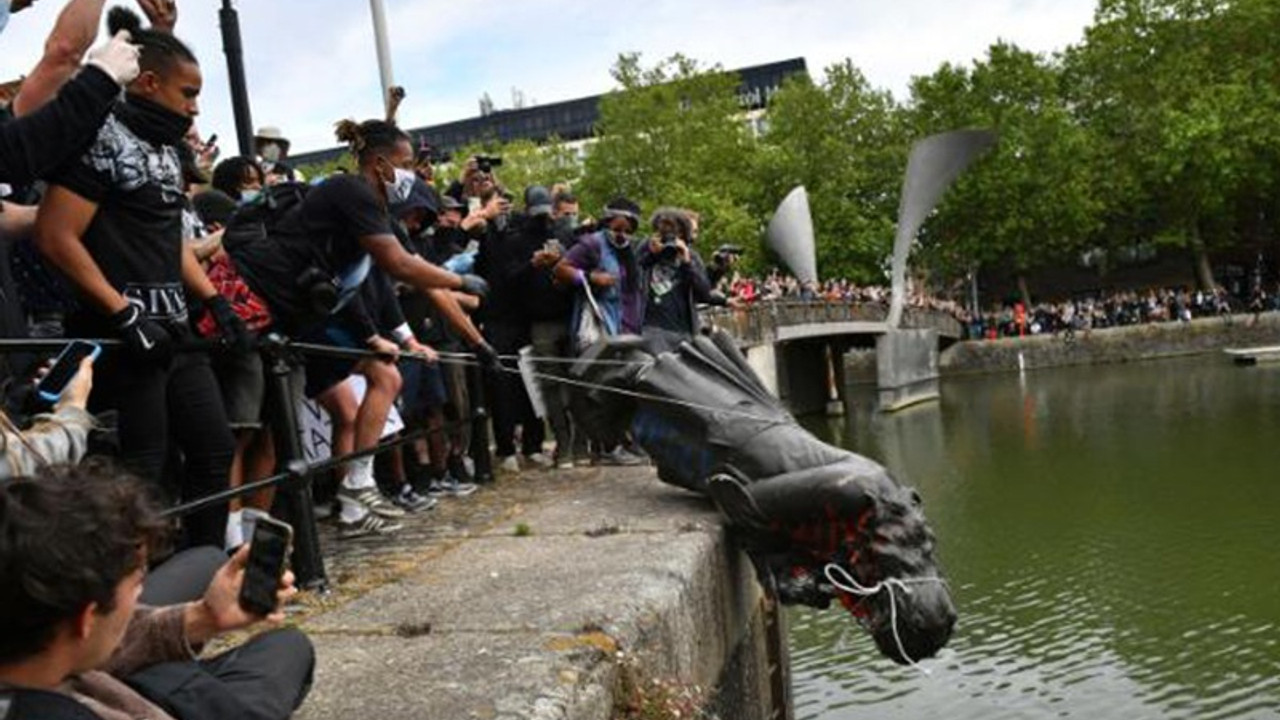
1112	539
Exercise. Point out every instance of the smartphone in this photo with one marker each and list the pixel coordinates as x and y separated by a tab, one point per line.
474	204
52	385
551	245
268	555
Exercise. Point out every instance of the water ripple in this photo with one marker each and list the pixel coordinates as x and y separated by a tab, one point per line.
1120	568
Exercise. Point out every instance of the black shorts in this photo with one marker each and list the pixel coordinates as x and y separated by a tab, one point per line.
324	372
423	389
243	385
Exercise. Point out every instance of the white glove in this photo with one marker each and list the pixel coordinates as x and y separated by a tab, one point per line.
116	57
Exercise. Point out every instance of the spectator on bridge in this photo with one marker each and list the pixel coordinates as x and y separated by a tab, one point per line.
74	545
113	224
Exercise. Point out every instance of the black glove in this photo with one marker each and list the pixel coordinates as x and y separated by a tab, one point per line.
487	356
474	285
233	328
144	338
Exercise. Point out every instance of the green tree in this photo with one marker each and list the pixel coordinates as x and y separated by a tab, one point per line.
1182	99
1031	202
845	141
672	134
524	163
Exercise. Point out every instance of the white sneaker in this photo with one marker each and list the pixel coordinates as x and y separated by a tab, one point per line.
509	465
370	524
540	461
373	500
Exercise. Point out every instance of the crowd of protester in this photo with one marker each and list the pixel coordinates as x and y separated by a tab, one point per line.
1012	318
119	221
1114	309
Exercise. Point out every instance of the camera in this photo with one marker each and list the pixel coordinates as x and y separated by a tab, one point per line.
320	289
726	254
668	242
486	163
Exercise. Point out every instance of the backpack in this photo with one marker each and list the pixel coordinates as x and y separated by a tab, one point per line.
265	216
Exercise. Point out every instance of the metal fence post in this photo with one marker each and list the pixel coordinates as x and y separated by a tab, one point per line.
294	495
479	426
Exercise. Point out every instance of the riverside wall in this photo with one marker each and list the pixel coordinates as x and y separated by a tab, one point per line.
1111	345
574	595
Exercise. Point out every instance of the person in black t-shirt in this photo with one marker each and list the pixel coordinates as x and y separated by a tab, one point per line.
112	222
330	242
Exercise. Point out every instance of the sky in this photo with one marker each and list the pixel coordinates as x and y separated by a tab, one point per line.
312	62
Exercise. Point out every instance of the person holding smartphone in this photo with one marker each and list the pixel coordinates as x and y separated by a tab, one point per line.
75	542
59	437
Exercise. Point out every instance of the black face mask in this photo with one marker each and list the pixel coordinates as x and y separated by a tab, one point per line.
153	122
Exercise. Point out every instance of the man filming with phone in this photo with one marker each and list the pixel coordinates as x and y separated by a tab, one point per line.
74	547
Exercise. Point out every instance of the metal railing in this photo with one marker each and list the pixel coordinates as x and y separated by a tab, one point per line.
758	324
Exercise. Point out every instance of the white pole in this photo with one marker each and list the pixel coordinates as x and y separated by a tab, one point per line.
384	47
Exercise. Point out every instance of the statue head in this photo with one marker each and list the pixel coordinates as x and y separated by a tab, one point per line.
885	572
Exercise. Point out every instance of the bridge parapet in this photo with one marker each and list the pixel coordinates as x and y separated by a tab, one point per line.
759	324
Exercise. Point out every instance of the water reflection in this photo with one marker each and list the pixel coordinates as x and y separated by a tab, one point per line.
1110	535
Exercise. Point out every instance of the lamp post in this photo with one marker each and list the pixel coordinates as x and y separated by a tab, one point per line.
232	46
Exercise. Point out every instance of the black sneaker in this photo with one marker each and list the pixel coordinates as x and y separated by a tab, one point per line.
458	469
412	501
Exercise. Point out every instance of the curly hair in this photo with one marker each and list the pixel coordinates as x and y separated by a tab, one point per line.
236	171
370	137
68	537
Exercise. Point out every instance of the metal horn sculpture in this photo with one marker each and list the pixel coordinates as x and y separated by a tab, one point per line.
935	163
790	235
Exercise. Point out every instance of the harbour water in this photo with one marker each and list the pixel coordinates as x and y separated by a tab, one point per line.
1112	540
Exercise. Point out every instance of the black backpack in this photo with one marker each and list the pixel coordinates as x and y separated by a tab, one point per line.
266	215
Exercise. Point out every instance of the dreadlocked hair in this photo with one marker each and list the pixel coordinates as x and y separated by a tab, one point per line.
158	50
369	137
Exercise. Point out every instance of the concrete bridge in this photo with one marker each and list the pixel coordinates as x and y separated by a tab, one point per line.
797	348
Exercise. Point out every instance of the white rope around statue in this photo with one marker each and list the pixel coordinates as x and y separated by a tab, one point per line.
851	585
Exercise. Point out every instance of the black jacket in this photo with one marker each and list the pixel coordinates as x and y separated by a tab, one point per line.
33	146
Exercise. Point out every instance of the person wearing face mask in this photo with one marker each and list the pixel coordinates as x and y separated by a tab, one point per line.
272	148
241	178
606	262
311	269
112	223
564	218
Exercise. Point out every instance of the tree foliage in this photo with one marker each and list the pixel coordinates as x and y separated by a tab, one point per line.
1031	201
1161	127
845	141
671	135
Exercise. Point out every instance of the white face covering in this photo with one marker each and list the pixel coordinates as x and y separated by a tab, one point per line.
271	152
248	196
398	189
